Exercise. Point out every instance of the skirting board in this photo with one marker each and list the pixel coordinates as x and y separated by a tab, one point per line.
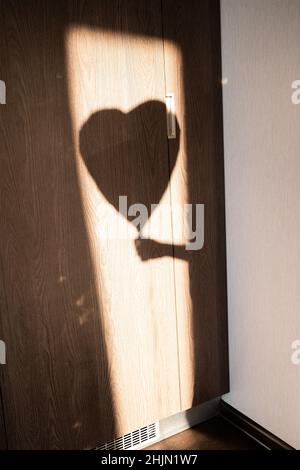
186	419
251	428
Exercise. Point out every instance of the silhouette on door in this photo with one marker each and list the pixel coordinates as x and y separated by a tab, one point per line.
127	155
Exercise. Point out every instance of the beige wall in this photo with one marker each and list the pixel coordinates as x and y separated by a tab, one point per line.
261	59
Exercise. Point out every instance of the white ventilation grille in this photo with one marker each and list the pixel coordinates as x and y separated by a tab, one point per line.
134	439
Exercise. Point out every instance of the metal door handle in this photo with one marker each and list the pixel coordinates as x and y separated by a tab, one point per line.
171	115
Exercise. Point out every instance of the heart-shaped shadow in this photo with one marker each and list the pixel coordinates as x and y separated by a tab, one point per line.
127	153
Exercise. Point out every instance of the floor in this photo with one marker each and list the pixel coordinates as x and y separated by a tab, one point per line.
215	434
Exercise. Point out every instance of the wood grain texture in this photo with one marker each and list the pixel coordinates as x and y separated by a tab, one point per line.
117	91
193	70
90	343
3	433
57	366
89	323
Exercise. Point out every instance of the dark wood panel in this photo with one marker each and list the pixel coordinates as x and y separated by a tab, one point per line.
56	368
193	70
59	386
65	385
3	435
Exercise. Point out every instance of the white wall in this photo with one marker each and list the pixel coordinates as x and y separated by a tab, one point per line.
261	58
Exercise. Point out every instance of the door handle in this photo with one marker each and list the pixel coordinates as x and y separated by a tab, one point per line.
171	115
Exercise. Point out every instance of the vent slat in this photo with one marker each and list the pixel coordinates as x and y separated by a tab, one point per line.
133	439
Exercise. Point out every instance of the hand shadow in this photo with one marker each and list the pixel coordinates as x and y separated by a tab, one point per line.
127	154
151	249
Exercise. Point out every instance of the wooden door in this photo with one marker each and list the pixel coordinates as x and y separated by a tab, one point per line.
192	46
89	326
104	333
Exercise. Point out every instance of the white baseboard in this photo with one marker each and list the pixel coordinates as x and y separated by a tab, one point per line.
186	419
